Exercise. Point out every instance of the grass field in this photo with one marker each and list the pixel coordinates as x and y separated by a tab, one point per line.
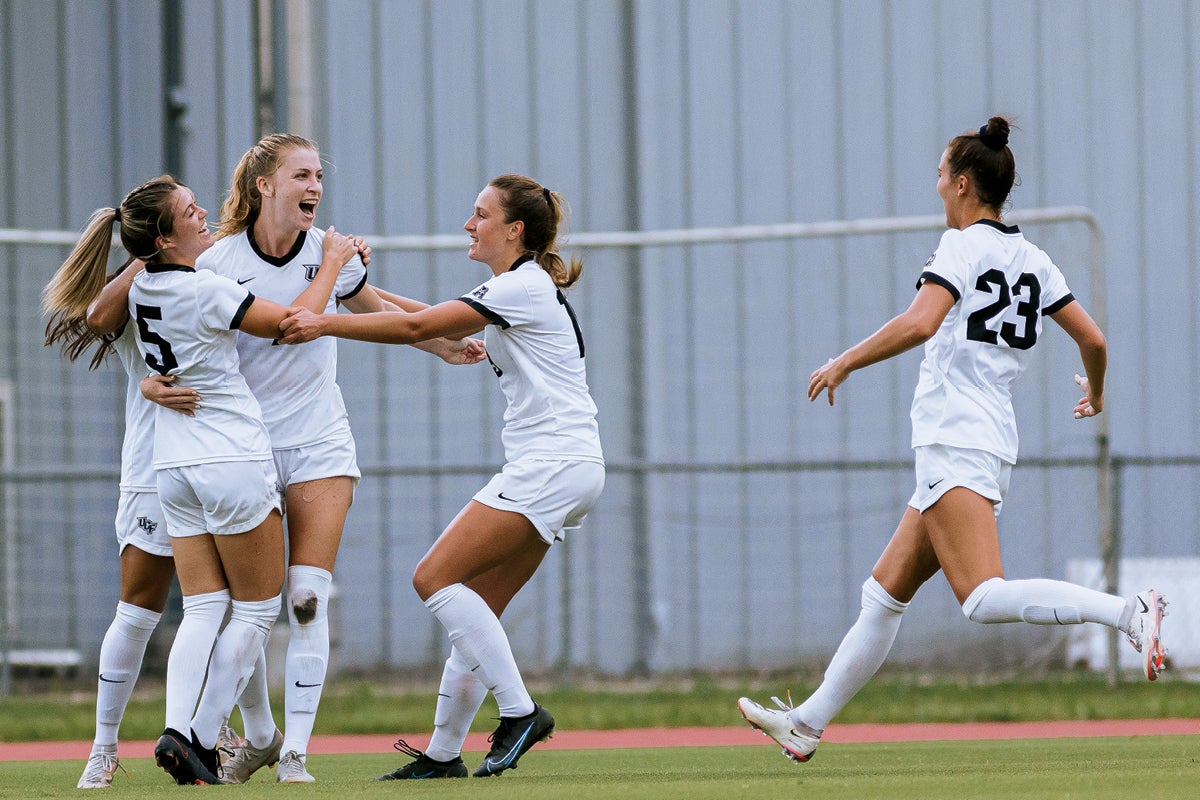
1159	768
350	706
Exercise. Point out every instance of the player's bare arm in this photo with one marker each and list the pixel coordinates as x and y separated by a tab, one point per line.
452	351
109	311
452	319
901	333
1093	351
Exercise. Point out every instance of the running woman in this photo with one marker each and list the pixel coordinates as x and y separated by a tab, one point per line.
266	242
553	475
72	299
978	309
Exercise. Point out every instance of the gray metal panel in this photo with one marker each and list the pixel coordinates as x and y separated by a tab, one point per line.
219	94
745	112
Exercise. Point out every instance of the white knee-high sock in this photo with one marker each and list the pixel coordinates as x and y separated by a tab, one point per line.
188	661
479	636
238	647
1041	601
459	697
255	704
120	663
307	654
858	657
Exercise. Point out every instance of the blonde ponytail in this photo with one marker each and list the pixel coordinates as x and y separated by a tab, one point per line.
75	285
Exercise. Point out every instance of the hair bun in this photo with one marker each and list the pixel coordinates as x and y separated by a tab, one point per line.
994	134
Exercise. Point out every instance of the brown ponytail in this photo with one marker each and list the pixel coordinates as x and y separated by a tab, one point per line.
543	212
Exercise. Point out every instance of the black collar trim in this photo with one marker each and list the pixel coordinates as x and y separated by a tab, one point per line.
1000	226
273	260
156	268
523	259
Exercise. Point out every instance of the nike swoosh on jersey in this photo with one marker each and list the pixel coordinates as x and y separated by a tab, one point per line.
245	280
509	499
935	483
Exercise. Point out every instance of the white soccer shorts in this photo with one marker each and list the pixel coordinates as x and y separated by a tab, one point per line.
221	498
141	523
940	468
554	495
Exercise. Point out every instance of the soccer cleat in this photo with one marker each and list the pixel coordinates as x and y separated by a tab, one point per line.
423	766
98	773
513	738
185	760
796	745
291	769
1145	634
228	740
246	759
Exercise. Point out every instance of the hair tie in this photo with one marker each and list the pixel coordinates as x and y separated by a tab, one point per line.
993	141
117	215
546	194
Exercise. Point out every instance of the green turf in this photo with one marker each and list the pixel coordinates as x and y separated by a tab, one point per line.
1161	768
350	706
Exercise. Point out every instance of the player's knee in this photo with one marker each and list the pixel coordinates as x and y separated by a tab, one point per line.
977	609
259	614
426	580
303	605
308	594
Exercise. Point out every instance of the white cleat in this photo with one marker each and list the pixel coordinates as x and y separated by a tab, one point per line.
98	773
291	769
1149	608
796	745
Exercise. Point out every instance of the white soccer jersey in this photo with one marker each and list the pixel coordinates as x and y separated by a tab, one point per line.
187	326
137	448
296	385
536	350
1003	286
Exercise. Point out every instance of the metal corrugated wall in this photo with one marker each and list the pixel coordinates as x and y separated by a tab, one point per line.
646	114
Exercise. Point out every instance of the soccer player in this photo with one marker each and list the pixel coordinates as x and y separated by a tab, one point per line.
553	475
267	243
215	476
979	307
72	299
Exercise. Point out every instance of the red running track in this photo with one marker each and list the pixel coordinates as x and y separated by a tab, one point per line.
684	737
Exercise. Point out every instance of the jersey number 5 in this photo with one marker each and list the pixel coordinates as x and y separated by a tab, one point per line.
1028	293
165	362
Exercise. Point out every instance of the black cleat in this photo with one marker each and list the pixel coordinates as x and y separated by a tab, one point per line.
513	738
423	766
185	760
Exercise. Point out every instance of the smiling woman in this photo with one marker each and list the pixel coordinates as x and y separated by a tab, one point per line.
213	468
553	476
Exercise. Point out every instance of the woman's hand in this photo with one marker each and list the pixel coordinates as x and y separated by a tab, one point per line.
338	246
828	377
364	249
301	325
1088	406
160	389
462	351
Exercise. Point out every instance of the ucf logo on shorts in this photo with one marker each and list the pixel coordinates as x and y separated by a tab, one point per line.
147	524
310	272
